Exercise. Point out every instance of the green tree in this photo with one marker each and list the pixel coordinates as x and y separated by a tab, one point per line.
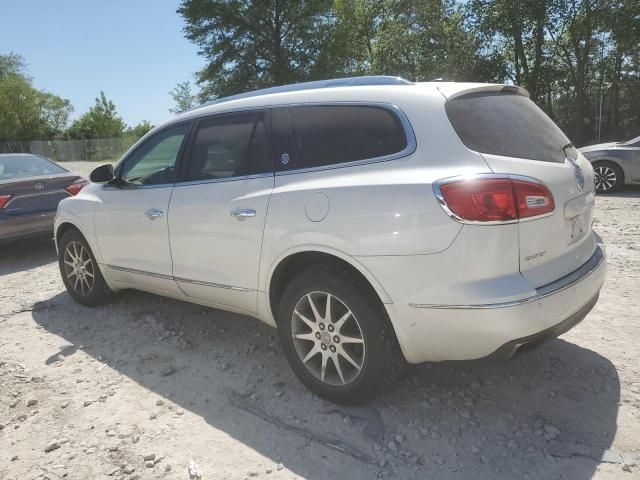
250	45
12	64
140	129
101	121
27	113
183	96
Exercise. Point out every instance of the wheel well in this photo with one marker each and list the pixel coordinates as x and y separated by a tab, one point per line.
291	266
64	228
606	160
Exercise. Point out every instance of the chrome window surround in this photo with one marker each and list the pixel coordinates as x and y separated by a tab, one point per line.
411	147
498	176
178	279
542	292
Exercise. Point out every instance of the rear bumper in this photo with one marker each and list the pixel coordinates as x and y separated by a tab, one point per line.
13	227
433	332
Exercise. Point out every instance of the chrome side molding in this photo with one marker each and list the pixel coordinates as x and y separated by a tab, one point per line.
178	279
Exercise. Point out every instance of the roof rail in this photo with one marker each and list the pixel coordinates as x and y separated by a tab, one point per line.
296	87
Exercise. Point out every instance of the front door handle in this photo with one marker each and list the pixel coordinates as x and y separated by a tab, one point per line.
154	213
241	213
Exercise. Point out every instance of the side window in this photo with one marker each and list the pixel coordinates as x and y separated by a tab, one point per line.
154	162
332	134
229	146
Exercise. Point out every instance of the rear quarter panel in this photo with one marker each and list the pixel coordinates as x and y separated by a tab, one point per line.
380	208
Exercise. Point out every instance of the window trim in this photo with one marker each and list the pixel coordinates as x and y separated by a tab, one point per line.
182	173
410	149
120	165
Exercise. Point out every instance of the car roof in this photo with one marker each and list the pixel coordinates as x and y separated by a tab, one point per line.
381	89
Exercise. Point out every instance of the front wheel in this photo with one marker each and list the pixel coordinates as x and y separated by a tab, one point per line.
608	177
337	337
80	272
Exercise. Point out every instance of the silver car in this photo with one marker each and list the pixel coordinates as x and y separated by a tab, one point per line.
615	164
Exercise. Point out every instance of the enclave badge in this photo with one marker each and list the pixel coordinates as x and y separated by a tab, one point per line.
38	186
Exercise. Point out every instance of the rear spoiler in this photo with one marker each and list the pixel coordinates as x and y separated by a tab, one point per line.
453	90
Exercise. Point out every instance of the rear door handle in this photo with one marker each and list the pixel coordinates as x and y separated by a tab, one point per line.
154	213
241	213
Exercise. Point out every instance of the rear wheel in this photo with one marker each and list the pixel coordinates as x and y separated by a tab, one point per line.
336	337
608	177
80	272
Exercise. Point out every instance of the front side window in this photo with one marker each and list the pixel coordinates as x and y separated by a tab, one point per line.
332	134
154	162
230	145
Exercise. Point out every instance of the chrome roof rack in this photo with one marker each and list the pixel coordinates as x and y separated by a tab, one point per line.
296	87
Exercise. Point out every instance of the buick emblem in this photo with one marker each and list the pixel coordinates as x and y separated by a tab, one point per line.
577	171
579	176
38	186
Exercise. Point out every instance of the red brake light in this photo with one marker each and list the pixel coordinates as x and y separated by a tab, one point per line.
4	199
495	199
76	186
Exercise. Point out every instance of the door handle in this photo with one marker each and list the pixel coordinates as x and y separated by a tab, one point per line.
154	213
241	213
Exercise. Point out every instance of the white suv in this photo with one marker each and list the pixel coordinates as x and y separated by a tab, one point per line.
371	220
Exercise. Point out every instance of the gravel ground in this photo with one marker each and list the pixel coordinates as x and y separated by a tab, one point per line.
146	386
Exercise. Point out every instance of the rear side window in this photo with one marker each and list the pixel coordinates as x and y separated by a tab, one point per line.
19	166
506	124
231	145
332	134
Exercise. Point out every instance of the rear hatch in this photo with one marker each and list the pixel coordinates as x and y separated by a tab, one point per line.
516	137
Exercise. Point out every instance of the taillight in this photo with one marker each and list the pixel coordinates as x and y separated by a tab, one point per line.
532	199
76	186
494	199
4	199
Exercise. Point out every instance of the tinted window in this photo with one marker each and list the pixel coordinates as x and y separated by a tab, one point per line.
506	124
154	162
326	135
229	146
20	166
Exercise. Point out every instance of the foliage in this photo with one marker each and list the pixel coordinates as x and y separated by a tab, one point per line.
249	45
101	121
12	64
26	112
183	96
140	130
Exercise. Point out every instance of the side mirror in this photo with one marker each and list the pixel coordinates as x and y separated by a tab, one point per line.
102	174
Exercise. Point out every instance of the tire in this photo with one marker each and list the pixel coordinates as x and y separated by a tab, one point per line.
608	177
82	277
365	335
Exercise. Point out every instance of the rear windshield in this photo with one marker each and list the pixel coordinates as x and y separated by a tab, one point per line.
20	166
506	124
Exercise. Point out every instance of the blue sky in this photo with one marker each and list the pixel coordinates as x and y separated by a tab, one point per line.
133	50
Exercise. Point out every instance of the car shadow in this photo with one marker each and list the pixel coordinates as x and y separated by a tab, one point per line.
21	255
629	191
549	413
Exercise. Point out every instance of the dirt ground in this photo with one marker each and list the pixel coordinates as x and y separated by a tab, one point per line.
144	386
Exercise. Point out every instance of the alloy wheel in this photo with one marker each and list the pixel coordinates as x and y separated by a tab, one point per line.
79	268
605	178
331	345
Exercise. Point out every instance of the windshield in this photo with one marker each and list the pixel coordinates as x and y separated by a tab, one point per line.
21	166
507	124
633	141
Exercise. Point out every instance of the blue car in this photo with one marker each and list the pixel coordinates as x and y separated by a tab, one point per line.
30	189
